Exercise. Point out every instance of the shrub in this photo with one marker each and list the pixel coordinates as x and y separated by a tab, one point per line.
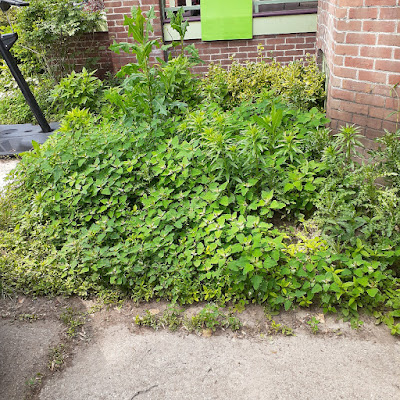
81	90
299	84
45	29
148	92
15	110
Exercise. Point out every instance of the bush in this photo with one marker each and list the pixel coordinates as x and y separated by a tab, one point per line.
15	110
45	30
81	90
299	84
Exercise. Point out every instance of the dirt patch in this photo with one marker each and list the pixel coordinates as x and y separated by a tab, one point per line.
33	343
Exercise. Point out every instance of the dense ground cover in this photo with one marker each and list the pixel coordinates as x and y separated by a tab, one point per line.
181	188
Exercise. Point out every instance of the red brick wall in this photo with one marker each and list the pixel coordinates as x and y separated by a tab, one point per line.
284	48
92	50
361	43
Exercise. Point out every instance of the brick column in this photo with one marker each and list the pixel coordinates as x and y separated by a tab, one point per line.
360	40
115	11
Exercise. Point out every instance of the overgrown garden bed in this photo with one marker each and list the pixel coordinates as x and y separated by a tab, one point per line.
171	186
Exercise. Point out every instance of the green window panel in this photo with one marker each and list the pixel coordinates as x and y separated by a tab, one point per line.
226	19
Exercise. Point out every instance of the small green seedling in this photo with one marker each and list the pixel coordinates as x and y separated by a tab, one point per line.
56	357
73	320
314	324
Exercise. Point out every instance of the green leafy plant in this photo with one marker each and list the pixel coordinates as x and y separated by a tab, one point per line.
347	141
46	29
225	200
151	90
179	25
299	84
78	90
35	381
211	317
172	318
314	325
57	357
13	106
28	317
73	320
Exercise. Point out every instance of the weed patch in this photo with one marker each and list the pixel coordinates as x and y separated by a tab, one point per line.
210	317
73	321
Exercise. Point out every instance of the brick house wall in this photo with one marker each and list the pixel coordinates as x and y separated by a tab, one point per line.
92	49
360	42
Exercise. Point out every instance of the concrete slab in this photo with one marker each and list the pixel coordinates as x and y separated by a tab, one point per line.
125	365
24	350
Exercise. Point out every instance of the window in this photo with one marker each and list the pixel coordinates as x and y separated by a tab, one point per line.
261	8
269	17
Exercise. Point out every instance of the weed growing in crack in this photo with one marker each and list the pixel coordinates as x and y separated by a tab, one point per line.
314	322
275	328
73	320
210	317
27	317
56	357
34	381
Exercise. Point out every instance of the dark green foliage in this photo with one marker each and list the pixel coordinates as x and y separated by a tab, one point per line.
15	110
45	30
151	92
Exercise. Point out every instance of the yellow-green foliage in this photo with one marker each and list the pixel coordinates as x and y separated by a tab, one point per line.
300	84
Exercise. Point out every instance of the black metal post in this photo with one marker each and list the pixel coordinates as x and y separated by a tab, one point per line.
30	99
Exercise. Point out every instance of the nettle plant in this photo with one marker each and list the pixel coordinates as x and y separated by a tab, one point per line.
79	90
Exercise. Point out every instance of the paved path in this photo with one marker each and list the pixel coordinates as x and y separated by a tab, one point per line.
112	358
122	365
6	165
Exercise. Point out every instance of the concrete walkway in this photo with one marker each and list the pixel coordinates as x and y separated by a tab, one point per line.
112	358
122	365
